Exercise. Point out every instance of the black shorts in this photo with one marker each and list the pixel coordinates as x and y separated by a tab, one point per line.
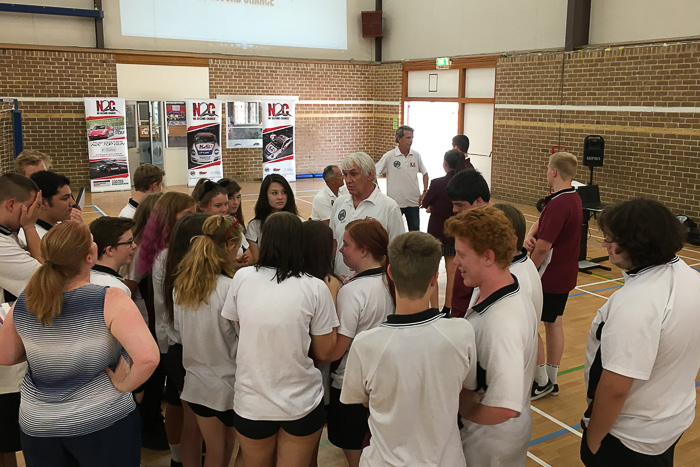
347	423
553	305
261	429
9	421
448	250
175	372
203	411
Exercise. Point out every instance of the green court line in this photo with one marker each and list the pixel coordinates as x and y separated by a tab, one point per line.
576	368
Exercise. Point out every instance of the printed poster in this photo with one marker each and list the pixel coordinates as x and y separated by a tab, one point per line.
204	149
105	123
278	138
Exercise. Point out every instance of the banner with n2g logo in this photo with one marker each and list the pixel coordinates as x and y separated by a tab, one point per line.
278	138
204	150
105	124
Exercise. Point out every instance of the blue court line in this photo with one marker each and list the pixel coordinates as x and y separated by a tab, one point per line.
598	290
97	210
563	431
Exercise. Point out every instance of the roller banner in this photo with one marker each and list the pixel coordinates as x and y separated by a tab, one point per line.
278	139
105	123
204	150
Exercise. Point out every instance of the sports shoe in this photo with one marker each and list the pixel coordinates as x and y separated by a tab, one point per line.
555	390
539	392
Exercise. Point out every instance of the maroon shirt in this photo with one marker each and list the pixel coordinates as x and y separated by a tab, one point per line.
461	296
560	223
441	208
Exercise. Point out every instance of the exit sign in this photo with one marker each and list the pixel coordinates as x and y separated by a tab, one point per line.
443	62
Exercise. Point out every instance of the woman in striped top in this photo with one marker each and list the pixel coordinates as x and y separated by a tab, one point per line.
76	406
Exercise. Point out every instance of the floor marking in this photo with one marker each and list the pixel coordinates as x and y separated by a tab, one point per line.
590	293
602	282
97	210
576	368
537	459
558	422
296	197
555	434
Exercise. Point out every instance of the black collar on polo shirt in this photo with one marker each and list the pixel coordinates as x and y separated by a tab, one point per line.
520	257
106	270
368	272
637	271
561	192
497	296
43	224
133	203
423	317
5	231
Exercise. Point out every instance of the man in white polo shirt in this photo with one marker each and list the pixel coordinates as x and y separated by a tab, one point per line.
364	200
411	369
496	418
402	165
324	199
115	249
643	352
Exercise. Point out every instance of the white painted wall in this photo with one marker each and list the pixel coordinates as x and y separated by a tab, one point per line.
417	29
614	21
66	31
157	82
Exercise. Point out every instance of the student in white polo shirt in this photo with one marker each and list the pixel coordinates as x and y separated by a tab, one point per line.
363	303
522	266
643	352
324	199
364	200
115	249
496	418
19	199
285	316
411	369
402	166
148	179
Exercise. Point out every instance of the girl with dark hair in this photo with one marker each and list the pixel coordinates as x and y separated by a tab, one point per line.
235	207
209	341
290	312
211	198
76	400
319	251
439	205
363	303
275	196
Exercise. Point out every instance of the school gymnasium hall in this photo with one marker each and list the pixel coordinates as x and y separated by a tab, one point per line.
614	82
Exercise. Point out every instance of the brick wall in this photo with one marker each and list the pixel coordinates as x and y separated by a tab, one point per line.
57	128
653	154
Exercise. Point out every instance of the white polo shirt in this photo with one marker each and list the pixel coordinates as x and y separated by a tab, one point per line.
16	264
166	335
130	209
275	376
402	176
377	206
524	269
103	275
506	325
649	330
410	370
323	203
363	303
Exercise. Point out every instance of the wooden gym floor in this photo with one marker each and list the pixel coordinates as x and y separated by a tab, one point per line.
556	431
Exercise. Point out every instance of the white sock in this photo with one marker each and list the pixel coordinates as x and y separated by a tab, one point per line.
552	371
175	452
541	375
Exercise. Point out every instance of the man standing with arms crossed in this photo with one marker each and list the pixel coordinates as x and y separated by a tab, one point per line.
643	350
402	165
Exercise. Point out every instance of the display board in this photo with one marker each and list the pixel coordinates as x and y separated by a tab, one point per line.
105	122
278	138
204	151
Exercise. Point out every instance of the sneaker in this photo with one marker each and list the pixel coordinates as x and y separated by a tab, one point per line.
555	390
540	391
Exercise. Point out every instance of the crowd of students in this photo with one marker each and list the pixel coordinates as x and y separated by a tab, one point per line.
263	333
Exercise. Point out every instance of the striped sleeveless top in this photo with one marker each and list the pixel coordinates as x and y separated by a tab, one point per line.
66	391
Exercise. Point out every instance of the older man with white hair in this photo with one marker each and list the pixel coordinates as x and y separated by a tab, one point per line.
363	201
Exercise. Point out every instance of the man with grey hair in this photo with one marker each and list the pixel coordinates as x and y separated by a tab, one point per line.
364	200
402	166
324	199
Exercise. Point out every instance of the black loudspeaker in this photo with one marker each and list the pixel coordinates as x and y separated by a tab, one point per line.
593	151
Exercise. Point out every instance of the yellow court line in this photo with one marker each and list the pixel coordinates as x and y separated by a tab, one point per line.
595	127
